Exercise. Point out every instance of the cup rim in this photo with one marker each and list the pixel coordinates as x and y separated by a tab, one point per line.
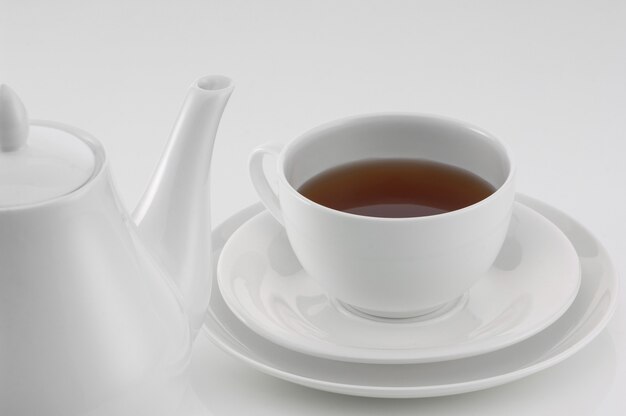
354	119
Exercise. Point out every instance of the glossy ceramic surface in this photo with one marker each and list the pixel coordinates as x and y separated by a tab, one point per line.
173	216
39	160
414	265
94	302
532	283
588	315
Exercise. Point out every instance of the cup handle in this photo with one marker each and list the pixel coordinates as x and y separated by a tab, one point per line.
259	179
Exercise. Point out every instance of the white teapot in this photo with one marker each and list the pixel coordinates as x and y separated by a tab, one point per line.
94	300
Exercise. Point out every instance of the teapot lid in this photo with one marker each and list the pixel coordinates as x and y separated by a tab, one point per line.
37	162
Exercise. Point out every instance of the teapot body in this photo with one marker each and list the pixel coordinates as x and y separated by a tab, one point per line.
85	308
95	303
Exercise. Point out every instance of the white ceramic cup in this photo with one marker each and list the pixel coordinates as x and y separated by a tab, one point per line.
390	267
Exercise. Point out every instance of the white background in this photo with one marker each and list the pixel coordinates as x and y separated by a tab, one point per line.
549	77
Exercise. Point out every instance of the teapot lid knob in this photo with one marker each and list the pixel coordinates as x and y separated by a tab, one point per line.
40	160
13	120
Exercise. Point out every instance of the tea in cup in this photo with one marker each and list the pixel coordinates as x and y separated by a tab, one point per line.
396	215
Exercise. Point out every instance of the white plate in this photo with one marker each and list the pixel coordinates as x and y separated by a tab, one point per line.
588	315
533	282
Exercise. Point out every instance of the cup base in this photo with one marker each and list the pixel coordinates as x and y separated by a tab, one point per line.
421	315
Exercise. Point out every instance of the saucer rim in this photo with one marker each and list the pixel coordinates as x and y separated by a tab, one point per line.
613	284
393	356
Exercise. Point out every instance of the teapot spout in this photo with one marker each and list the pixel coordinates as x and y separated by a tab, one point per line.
173	217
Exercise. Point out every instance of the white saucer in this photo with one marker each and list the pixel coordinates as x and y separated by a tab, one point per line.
588	315
533	282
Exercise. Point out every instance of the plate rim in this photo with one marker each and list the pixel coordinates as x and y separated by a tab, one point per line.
439	389
407	355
